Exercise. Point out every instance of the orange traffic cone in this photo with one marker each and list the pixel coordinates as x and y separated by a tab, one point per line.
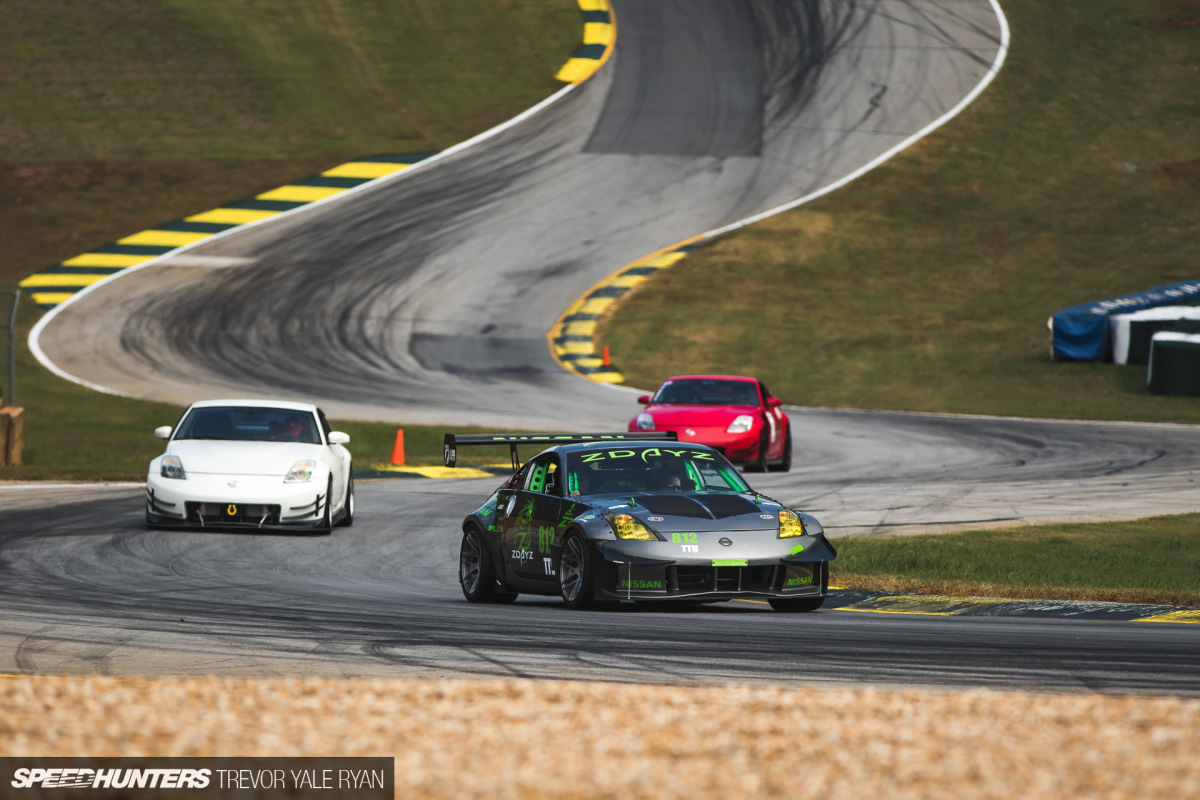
398	448
606	360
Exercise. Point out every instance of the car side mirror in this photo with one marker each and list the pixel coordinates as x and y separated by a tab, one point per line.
337	437
164	432
774	402
644	399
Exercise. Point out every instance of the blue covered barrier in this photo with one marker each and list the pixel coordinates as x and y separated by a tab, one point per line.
1081	333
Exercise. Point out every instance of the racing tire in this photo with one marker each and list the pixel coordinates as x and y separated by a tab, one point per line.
759	464
326	526
476	573
348	512
150	525
785	465
796	605
575	574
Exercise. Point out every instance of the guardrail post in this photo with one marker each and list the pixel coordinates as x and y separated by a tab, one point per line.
12	350
12	436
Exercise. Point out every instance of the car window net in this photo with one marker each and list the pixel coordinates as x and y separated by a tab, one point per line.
249	424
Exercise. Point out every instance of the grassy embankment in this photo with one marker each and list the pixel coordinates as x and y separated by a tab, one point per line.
926	284
123	114
1144	561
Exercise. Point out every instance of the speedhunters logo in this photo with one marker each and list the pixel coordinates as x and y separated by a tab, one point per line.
66	778
201	778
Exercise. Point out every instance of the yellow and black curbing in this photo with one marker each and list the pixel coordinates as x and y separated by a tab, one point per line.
572	341
54	285
599	36
951	606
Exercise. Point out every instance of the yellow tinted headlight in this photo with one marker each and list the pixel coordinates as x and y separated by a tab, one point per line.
628	527
790	525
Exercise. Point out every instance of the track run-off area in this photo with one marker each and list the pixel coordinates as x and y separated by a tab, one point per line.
427	299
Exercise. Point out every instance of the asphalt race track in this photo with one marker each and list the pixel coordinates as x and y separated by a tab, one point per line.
84	588
428	299
381	599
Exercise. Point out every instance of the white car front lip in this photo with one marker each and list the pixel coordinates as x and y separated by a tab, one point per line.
293	498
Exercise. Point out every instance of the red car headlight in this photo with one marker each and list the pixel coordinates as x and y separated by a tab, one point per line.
741	424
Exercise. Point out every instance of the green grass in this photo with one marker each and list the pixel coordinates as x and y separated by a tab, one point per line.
119	80
123	114
1152	560
926	285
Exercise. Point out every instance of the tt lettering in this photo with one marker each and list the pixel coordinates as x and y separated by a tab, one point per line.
690	548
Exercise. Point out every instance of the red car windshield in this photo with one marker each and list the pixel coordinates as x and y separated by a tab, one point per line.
707	392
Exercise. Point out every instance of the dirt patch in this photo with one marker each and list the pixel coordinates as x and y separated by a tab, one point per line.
540	739
1187	22
1177	169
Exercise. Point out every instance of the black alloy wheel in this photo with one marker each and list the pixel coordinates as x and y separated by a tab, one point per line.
476	574
348	512
785	465
575	573
796	605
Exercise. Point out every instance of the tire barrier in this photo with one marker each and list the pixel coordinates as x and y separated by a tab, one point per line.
1174	364
1131	333
1081	333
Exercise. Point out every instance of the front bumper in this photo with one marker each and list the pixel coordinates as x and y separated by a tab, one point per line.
628	570
737	447
254	502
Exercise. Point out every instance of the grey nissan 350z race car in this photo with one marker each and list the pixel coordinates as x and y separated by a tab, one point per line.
599	518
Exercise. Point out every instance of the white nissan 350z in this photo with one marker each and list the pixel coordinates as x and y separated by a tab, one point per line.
251	464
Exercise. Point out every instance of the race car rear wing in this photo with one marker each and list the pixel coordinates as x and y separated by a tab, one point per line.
543	440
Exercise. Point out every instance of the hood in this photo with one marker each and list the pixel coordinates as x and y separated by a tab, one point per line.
215	457
666	417
667	513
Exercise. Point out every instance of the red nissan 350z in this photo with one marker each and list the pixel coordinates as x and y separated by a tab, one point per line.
735	415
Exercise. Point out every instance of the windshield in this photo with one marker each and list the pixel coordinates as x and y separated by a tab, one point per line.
650	469
249	424
704	392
